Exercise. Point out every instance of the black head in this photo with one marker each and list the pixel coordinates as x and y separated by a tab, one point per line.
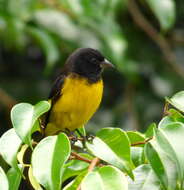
87	62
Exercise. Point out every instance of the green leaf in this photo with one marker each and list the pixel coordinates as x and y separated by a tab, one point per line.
145	179
75	167
4	164
170	139
137	155
162	165
73	185
3	180
48	159
164	11
165	121
32	180
113	146
176	116
14	178
150	131
81	130
177	101
156	163
135	137
47	43
107	177
9	146
25	116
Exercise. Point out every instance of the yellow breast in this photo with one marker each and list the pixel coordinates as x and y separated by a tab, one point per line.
78	102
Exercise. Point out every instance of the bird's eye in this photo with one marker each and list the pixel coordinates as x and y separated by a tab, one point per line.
94	60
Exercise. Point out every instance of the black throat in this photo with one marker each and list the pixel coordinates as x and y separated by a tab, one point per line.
91	77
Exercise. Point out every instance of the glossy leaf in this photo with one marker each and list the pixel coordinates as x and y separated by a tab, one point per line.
4	185
165	121
176	115
25	116
137	155
177	100
113	146
107	177
164	11
135	137
32	180
14	178
145	179
21	153
75	167
150	130
9	146
162	165
48	160
170	139
73	185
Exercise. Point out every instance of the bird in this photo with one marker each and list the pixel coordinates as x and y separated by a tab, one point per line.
77	92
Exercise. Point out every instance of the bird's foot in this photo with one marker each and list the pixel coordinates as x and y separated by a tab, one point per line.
90	137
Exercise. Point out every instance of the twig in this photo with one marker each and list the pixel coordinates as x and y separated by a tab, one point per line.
94	162
165	112
79	187
74	155
78	157
144	24
143	142
76	138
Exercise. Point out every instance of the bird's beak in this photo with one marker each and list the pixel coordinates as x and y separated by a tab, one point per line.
106	63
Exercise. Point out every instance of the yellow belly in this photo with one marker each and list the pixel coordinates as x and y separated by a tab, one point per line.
77	104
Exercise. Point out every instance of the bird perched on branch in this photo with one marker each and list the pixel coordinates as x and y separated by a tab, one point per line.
77	92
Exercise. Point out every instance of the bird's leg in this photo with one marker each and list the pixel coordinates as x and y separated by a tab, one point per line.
85	138
90	137
71	136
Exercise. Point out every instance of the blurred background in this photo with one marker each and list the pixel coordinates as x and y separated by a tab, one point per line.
143	38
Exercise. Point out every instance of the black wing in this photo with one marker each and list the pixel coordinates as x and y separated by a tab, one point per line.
55	93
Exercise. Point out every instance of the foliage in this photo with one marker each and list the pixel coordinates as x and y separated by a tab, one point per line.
126	159
37	36
114	159
76	24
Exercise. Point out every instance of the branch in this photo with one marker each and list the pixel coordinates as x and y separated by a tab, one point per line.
166	107
94	162
143	142
144	24
78	157
76	138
